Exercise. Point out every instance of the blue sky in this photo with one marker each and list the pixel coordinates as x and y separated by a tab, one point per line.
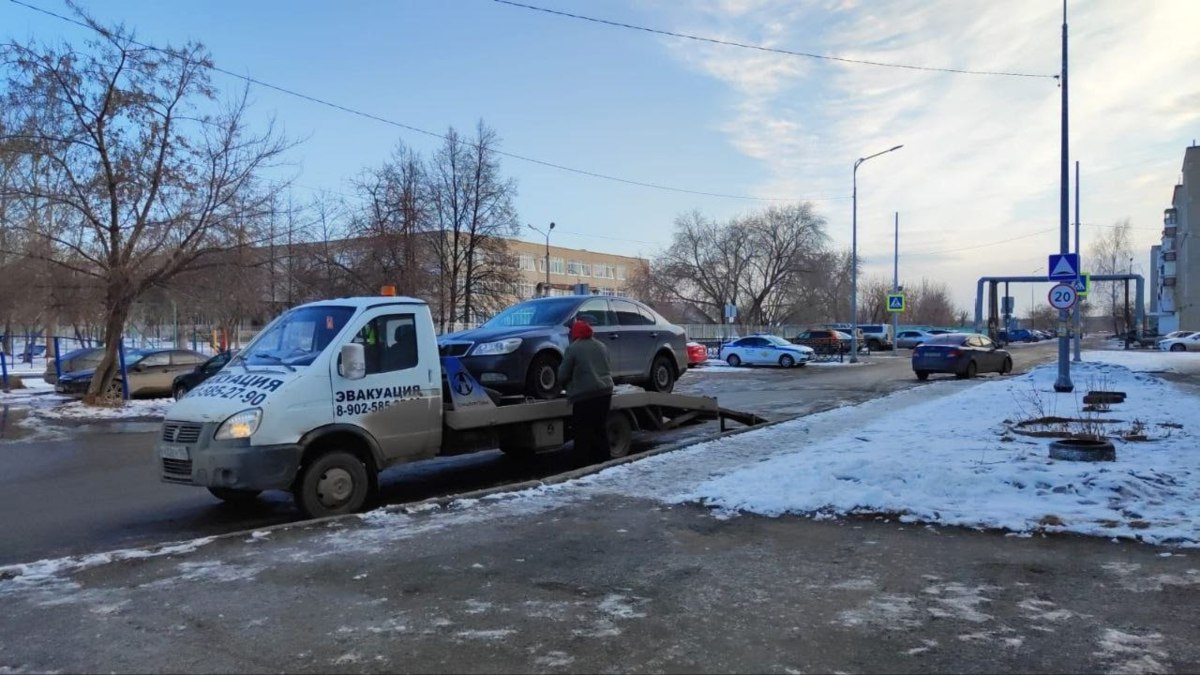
976	184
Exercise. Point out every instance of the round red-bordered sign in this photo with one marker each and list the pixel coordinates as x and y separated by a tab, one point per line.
1063	296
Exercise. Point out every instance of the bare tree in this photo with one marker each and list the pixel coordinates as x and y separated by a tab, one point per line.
1112	254
490	269
153	174
872	300
471	212
784	243
702	266
395	218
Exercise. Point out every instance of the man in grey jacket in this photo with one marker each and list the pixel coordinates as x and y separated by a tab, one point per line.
587	376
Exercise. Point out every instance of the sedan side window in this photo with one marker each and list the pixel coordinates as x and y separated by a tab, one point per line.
596	313
628	314
156	360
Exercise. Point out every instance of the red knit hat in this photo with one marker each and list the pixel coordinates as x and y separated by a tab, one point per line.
580	330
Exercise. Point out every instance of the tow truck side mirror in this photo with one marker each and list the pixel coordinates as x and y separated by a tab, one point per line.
353	364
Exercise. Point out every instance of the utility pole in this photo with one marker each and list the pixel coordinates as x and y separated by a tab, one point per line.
1063	384
1079	310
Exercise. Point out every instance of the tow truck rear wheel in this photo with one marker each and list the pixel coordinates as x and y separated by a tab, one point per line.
333	484
235	497
620	434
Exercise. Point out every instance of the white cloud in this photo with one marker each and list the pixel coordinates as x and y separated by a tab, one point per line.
981	156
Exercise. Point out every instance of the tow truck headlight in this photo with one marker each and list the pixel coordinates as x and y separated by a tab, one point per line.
496	348
239	425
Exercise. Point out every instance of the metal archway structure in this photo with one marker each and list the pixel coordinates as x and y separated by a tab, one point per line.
1139	302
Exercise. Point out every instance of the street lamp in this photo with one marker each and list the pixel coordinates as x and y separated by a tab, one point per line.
547	235
854	256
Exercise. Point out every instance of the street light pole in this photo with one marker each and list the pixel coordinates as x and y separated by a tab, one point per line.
896	278
1063	384
547	235
854	254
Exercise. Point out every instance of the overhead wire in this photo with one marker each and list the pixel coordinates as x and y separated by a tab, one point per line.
773	50
425	132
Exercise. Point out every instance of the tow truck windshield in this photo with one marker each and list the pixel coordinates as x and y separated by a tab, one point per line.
297	338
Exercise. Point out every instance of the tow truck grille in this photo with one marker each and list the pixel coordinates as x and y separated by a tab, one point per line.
177	470
181	432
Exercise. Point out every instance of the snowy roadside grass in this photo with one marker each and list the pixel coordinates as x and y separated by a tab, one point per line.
956	461
43	407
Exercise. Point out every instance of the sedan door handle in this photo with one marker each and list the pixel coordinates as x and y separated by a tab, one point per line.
613	336
654	335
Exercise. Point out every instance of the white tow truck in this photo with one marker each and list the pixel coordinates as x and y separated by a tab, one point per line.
331	393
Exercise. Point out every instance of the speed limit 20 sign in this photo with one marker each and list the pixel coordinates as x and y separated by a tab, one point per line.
1063	296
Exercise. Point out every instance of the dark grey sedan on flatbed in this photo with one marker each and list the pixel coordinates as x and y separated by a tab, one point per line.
518	350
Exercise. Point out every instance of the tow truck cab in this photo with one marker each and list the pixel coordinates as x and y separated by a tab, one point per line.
288	397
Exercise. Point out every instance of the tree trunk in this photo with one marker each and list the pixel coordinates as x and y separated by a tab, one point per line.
110	366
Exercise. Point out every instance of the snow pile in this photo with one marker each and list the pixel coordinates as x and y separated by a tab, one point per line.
962	460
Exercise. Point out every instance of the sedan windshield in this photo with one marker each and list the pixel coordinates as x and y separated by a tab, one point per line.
296	338
550	312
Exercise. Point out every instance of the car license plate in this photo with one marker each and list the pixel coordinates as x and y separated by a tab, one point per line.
173	452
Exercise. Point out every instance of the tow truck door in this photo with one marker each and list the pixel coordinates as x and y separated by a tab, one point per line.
398	401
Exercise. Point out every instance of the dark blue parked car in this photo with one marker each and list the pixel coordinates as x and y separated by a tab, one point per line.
963	354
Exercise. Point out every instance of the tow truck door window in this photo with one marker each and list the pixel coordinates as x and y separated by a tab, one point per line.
394	401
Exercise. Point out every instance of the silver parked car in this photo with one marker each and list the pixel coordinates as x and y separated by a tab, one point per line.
909	339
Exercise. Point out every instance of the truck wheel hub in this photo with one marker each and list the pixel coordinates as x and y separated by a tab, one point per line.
335	487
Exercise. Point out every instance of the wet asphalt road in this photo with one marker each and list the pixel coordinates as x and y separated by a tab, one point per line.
97	491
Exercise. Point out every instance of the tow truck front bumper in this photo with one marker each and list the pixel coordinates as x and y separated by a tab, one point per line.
187	454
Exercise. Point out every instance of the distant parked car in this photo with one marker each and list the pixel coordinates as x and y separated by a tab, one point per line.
1021	335
878	336
909	339
77	359
151	373
765	350
824	340
963	354
1174	334
697	354
1190	343
518	350
189	381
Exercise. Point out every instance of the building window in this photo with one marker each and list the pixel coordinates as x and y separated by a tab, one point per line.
541	265
557	266
526	262
574	267
585	269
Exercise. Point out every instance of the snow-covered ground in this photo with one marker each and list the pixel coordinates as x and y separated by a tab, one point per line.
962	460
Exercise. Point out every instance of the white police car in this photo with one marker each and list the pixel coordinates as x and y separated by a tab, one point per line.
765	350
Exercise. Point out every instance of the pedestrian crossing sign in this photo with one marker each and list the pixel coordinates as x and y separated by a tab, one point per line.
1083	284
895	302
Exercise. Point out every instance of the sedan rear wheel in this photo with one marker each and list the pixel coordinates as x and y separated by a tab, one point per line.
733	360
922	375
662	374
1006	367
1178	348
786	361
969	372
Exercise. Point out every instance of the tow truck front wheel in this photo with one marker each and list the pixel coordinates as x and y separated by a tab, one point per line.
333	484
